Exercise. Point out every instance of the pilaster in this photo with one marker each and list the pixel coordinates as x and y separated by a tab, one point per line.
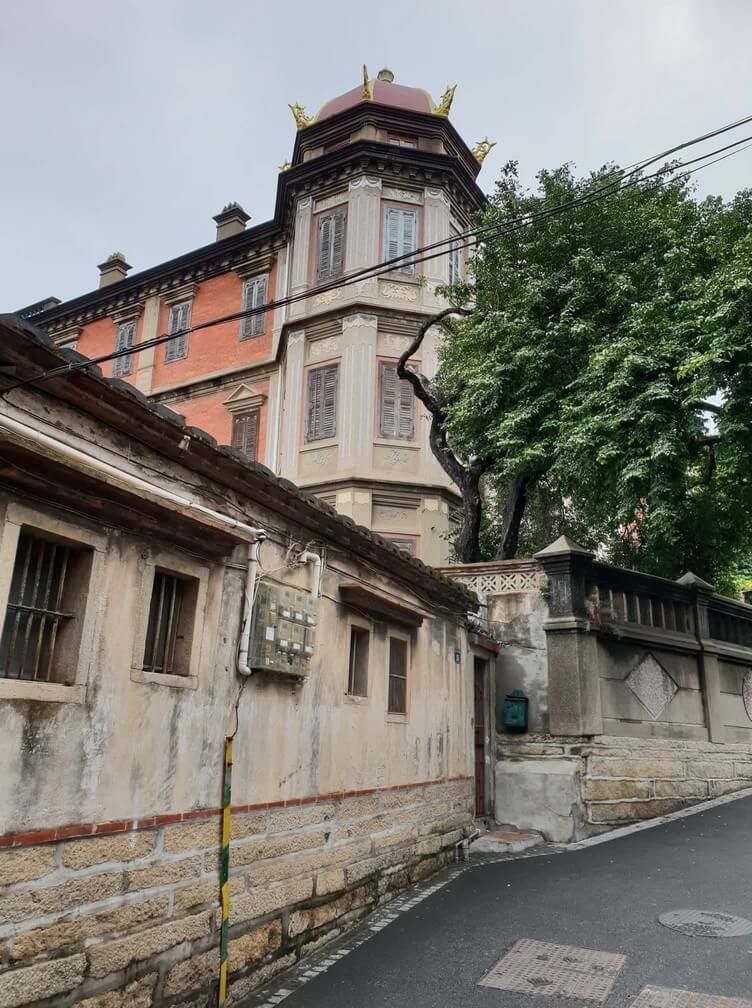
363	223
291	424
436	227
357	393
144	377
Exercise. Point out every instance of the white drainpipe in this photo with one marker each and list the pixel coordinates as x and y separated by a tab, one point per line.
132	482
313	558
250	587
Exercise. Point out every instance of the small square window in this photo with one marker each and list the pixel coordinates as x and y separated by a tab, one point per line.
45	609
169	631
397	703
357	675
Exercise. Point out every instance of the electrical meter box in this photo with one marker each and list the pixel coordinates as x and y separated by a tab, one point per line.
283	635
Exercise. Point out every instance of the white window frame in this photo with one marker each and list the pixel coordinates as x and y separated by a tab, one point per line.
408	269
325	438
330	273
172	562
382	365
359	624
19	517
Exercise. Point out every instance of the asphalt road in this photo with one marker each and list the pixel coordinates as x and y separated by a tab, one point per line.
607	898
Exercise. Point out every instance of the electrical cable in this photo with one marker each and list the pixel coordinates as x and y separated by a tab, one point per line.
413	258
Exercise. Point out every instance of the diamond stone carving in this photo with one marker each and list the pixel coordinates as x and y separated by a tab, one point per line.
652	685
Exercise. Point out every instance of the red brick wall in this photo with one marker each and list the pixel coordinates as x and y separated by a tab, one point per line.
210	414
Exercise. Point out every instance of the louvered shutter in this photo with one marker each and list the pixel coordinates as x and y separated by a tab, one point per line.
454	260
254	296
330	244
400	236
124	338
321	414
180	320
397	409
245	433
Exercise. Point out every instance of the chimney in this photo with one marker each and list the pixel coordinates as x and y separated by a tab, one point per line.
231	221
113	269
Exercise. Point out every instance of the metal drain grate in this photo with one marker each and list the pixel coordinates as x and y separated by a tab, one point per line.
706	923
533	967
663	997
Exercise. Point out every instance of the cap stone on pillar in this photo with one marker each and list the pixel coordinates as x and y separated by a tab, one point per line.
231	221
113	269
690	580
562	546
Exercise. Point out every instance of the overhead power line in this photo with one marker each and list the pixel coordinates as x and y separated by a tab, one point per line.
626	178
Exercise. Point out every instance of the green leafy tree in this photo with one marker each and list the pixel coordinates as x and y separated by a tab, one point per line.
599	379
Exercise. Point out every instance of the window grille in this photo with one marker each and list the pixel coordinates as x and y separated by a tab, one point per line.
179	322
397	676
35	614
396	404
254	296
125	337
321	411
357	676
162	634
245	428
400	236
330	244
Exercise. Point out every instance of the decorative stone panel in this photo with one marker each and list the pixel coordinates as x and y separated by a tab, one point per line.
652	685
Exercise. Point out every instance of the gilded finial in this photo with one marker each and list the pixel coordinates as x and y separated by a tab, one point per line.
299	115
481	149
367	90
285	165
445	102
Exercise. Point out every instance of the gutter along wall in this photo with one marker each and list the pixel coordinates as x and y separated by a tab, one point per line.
109	800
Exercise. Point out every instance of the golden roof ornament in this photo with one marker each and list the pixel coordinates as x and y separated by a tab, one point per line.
299	115
445	102
285	166
367	85
481	149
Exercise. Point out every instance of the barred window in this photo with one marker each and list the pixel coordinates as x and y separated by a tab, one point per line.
397	676
124	338
254	296
170	627
44	610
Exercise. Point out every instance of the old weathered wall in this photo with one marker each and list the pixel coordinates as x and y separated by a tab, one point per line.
133	910
569	788
337	801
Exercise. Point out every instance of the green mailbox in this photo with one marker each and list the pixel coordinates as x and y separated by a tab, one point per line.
515	711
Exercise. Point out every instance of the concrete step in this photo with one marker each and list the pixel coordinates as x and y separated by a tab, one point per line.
506	841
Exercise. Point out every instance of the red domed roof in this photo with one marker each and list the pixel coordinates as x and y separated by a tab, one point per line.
383	91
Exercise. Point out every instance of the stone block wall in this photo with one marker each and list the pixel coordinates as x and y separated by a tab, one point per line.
572	788
126	914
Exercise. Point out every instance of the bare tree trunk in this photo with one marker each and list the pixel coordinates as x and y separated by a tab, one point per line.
514	509
466	475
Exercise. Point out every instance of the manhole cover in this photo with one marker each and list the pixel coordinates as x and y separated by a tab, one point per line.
706	923
663	997
533	967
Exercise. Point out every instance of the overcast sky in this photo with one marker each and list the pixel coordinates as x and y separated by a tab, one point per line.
127	125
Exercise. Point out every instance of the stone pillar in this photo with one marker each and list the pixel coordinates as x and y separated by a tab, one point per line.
436	217
710	673
273	422
144	377
574	695
357	382
363	223
294	396
299	268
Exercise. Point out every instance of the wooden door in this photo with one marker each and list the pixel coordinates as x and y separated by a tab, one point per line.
480	736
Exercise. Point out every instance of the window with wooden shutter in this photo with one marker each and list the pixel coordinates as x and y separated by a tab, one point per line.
179	322
400	236
124	338
397	701
245	428
396	404
321	408
331	228
254	296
